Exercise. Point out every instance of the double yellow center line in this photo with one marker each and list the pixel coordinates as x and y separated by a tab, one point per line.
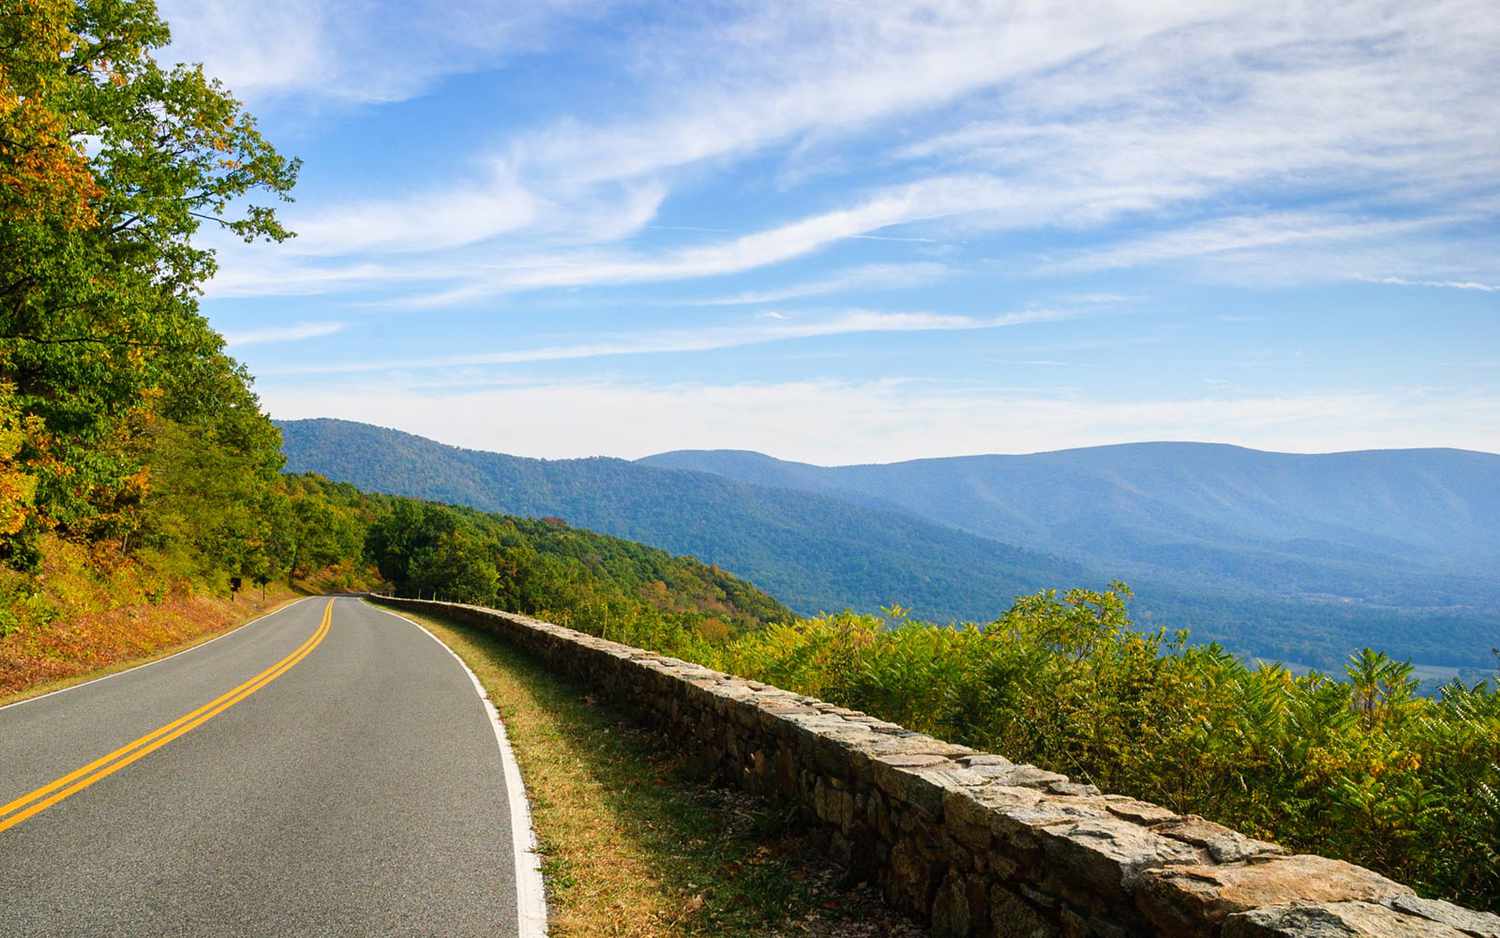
39	800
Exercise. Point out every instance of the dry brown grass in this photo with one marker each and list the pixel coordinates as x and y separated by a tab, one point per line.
91	610
632	845
42	659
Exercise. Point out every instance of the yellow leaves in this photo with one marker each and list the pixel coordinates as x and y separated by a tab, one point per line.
17	492
42	176
17	487
714	630
138	484
40	32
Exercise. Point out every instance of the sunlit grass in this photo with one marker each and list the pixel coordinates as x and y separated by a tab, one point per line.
632	843
125	637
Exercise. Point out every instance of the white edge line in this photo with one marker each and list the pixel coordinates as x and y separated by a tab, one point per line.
147	664
531	895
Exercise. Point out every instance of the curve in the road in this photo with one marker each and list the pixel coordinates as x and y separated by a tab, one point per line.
40	799
348	782
531	898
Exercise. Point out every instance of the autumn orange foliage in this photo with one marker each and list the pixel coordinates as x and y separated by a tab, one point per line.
17	486
106	637
43	174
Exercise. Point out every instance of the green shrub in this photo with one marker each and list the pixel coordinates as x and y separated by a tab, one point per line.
1360	767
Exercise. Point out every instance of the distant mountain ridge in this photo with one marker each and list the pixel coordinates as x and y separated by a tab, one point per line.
812	552
1368	525
1269	557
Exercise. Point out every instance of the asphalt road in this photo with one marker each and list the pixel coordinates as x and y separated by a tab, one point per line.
359	792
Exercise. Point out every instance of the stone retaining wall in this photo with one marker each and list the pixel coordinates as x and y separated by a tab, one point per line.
970	843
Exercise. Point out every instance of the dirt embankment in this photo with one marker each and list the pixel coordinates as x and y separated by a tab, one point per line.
39	658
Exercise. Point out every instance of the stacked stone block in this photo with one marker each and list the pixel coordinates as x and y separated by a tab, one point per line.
970	843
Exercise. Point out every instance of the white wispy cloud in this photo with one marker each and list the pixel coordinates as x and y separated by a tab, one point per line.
1005	117
494	205
767	73
429	221
865	277
293	333
328	49
1440	284
948	197
1240	233
260	271
1359	95
929	199
759	332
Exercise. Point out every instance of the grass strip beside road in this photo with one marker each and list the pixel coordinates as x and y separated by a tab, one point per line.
202	619
632	845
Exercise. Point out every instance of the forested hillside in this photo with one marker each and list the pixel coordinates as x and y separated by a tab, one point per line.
1293	556
813	553
130	445
1370	524
828	549
541	567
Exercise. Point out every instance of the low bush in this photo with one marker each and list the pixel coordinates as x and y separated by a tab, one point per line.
1360	767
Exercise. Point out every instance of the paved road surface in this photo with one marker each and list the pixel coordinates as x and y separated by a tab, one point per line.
359	792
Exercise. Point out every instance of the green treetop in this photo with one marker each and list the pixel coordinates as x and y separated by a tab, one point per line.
109	164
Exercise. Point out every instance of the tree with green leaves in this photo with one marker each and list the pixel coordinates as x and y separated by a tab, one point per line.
109	165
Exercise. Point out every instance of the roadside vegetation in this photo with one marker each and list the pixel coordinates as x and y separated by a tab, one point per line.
112	637
633	844
138	475
1358	766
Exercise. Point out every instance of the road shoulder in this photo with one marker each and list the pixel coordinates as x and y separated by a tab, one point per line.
531	899
632	843
253	613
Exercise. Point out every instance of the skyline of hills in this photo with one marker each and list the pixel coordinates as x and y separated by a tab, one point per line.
813	552
1268	553
1369	526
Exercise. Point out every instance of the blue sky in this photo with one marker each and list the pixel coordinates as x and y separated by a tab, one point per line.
866	231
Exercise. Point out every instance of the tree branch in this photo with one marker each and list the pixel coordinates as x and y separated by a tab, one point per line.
98	340
213	218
